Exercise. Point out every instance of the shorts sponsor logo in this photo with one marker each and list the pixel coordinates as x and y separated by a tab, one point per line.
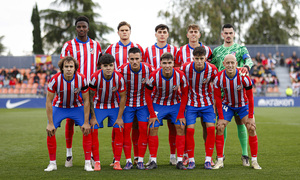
10	105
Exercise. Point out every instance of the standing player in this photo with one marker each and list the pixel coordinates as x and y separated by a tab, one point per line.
185	53
244	63
238	98
65	86
119	51
165	103
86	51
105	86
135	73
200	74
153	56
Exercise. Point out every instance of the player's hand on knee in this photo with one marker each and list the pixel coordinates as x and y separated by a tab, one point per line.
86	129
152	122
93	122
244	71
50	130
182	121
120	123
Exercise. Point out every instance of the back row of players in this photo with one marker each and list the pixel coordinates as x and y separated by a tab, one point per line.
151	89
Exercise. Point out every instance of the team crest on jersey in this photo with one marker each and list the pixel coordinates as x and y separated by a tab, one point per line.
239	87
175	87
205	80
92	51
76	90
144	80
114	89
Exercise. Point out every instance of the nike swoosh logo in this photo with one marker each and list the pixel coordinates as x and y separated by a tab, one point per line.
10	105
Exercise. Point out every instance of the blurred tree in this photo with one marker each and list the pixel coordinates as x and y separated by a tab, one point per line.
59	25
2	47
37	47
210	15
278	28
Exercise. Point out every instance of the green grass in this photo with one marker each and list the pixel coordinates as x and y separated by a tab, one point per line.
24	152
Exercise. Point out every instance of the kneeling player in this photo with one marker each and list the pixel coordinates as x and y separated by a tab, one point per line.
67	85
165	104
105	85
237	91
200	103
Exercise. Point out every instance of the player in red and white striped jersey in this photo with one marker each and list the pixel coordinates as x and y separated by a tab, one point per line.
166	102
238	98
65	86
120	49
200	74
135	73
105	86
154	52
185	53
86	51
153	56
120	52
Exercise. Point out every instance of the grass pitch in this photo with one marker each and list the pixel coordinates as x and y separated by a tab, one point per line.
24	153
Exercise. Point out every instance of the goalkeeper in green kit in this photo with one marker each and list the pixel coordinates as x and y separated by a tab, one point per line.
244	63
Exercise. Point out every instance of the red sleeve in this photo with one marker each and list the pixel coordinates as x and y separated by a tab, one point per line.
52	84
217	95
149	102
249	94
184	99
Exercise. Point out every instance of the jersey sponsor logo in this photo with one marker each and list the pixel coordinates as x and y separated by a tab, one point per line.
10	105
114	89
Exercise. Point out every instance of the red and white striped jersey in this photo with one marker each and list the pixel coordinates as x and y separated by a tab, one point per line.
153	54
106	96
185	54
200	93
234	89
120	52
166	91
135	82
67	92
86	53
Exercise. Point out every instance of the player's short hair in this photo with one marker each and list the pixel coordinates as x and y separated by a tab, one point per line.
106	59
124	23
193	26
134	50
82	18
227	26
199	51
166	55
62	61
161	26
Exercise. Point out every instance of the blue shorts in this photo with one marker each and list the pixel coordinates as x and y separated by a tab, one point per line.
111	114
229	112
142	114
59	114
166	112
206	112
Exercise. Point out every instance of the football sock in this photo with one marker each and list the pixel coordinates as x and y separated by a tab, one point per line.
87	146
141	159
53	162
95	145
179	159
127	140
207	159
135	141
113	140
253	145
153	146
172	156
225	137
243	137
69	131
210	141
180	144
190	142
118	144
142	142
51	145
69	152
172	137
220	145
128	160
191	159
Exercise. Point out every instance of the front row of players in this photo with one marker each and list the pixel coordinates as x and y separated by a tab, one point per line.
150	95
